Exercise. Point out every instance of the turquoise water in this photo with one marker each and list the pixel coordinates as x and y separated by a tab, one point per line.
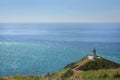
35	49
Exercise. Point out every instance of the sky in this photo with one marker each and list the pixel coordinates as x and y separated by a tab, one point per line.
59	10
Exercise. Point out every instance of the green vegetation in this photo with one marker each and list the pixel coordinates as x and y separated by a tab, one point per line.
95	64
66	74
96	69
102	74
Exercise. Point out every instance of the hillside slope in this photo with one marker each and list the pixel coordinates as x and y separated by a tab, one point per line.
95	64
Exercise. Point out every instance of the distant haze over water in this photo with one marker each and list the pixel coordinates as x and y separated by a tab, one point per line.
95	32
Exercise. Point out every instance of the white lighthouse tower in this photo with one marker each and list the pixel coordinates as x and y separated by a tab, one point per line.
93	55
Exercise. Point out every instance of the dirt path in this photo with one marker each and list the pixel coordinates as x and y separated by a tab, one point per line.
83	62
75	71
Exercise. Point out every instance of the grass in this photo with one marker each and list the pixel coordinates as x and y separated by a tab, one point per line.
102	74
67	74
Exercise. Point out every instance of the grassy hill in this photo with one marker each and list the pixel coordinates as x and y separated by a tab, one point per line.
94	64
96	69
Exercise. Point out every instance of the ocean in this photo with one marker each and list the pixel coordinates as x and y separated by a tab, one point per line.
39	48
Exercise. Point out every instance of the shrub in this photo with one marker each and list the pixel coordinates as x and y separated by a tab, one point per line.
67	74
2	79
103	75
116	75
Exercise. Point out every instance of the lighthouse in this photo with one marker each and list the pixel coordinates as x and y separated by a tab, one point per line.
94	52
93	55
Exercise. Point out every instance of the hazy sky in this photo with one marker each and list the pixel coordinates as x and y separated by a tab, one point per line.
59	10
